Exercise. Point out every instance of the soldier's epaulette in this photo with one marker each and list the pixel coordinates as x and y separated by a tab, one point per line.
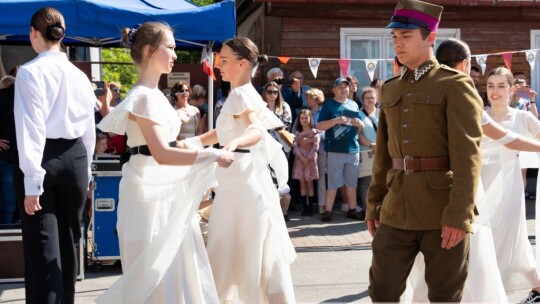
447	68
390	79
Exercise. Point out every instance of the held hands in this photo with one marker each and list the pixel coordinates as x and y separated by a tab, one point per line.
451	236
225	159
31	204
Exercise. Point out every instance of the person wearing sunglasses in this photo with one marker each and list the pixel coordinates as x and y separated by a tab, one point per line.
190	115
274	100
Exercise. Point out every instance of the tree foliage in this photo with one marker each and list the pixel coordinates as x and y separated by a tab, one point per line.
122	70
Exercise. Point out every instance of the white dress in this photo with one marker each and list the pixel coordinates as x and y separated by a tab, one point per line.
248	244
484	282
507	215
161	247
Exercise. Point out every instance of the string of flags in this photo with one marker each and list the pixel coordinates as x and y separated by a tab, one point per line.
371	64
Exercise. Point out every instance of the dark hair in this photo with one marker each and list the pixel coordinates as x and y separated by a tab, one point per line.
149	33
424	32
452	51
356	99
177	87
244	48
475	68
374	82
50	23
307	112
14	70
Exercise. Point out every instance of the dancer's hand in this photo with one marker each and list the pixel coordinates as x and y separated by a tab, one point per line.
231	146
225	159
451	236
372	226
31	204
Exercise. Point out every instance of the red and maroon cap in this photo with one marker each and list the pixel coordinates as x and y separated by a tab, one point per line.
413	14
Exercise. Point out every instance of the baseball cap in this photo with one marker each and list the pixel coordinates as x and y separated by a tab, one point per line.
339	81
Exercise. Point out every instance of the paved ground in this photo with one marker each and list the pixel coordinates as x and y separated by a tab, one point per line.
332	264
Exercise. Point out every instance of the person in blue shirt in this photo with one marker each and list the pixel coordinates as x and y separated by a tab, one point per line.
340	118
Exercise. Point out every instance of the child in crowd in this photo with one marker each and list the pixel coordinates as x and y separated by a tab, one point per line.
305	164
102	144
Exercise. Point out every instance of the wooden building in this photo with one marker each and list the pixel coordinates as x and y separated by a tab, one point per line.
356	29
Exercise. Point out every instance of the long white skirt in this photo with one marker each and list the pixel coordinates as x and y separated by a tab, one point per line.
248	244
161	247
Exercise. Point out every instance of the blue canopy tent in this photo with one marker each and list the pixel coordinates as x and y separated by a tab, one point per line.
99	22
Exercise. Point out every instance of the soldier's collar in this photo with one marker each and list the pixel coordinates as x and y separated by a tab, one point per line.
420	70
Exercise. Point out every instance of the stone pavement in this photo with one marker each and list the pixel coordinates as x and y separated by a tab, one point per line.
332	265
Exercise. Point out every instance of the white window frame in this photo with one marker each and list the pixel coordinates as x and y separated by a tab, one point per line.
385	42
535	78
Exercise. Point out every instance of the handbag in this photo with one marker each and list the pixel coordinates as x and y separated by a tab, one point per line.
286	136
366	163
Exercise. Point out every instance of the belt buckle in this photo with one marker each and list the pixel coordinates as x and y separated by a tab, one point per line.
405	167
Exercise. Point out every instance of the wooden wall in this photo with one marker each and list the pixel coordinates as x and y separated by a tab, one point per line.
313	30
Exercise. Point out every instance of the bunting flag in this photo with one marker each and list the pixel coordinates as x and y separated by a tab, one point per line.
207	69
481	60
531	57
216	60
344	65
314	65
283	59
371	65
507	57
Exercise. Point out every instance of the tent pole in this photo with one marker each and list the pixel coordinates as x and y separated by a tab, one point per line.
210	90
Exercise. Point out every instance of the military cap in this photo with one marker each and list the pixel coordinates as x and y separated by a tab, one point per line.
413	14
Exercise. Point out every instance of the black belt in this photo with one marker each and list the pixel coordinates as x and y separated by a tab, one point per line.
238	150
144	150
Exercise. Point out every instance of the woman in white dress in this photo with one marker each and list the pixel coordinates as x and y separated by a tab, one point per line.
161	247
484	282
248	244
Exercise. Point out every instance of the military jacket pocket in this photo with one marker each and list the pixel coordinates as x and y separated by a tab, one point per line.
390	106
440	180
429	110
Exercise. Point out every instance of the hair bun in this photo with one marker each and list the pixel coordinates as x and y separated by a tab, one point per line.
128	36
55	31
262	59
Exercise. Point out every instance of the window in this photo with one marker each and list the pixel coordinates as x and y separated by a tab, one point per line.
369	43
535	76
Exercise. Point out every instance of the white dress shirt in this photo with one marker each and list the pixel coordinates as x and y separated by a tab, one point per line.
53	99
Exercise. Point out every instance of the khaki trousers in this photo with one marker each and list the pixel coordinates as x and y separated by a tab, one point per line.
394	251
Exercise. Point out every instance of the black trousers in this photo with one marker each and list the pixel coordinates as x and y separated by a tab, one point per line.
51	235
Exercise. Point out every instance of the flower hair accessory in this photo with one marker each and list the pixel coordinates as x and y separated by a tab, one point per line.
131	37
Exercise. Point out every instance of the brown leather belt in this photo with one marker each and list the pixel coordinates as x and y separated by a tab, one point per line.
411	164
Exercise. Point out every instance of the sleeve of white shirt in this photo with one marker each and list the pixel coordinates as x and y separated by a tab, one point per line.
30	114
89	141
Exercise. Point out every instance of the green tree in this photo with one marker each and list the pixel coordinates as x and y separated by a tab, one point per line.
119	67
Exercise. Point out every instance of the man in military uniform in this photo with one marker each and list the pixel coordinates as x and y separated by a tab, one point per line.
427	165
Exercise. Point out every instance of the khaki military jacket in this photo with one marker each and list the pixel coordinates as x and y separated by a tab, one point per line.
433	111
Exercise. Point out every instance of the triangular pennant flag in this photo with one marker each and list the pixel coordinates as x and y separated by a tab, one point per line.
531	58
371	65
507	57
207	69
481	60
204	54
314	65
216	61
344	64
283	59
